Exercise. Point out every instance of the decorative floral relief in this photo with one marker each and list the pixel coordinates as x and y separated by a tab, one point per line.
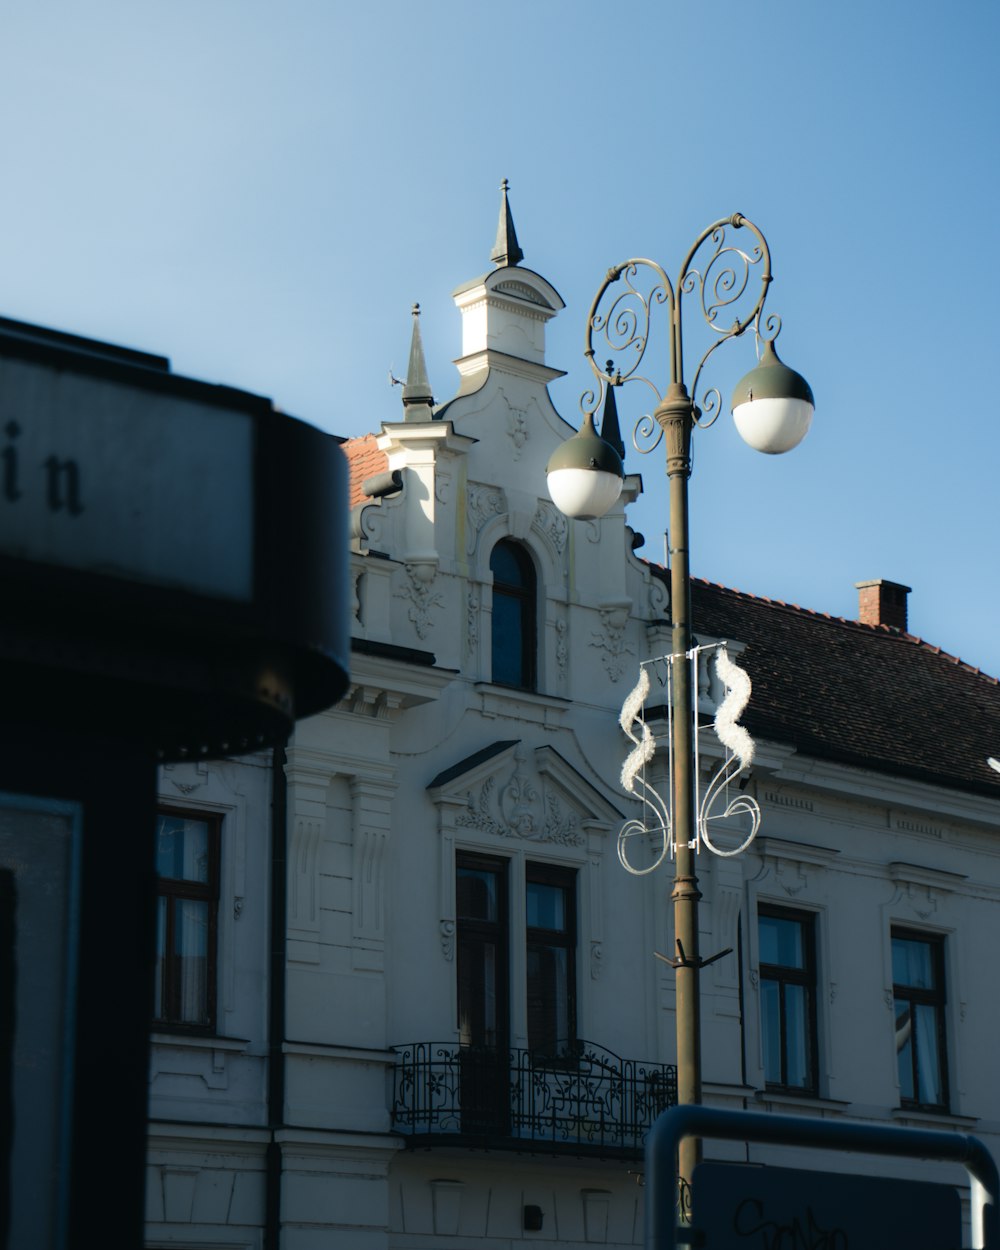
482	503
560	824
446	930
612	641
595	961
442	487
551	523
517	428
422	595
518	811
519	800
562	646
472	621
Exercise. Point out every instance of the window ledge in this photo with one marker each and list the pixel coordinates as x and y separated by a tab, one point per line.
200	1041
496	698
925	1115
814	1102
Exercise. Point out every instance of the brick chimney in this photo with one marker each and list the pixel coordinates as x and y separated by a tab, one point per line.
882	603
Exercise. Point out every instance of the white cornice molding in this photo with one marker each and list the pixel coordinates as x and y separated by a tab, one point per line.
490	360
408	436
788	766
918	874
794	852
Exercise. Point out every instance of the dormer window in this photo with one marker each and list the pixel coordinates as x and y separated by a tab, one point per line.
514	596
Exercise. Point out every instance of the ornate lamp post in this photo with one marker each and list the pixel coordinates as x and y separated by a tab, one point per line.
772	407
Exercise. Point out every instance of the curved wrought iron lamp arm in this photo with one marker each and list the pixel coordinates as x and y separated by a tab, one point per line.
720	282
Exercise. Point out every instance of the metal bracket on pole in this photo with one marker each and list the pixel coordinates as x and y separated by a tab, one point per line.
682	960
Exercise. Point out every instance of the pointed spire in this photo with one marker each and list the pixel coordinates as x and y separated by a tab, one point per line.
506	250
417	396
610	431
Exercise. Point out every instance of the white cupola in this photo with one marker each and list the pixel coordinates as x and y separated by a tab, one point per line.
504	312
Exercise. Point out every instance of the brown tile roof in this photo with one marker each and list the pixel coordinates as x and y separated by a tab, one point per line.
859	694
364	460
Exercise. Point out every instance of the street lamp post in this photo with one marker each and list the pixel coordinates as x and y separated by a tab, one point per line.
772	408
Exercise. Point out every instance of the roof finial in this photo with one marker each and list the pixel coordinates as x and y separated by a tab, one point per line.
506	250
610	429
417	396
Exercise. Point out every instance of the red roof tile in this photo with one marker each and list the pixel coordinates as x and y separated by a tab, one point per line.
364	460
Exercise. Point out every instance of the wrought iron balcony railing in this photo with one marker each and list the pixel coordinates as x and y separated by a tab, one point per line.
583	1099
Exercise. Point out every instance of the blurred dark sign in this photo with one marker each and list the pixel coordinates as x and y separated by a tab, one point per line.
173	554
113	479
742	1207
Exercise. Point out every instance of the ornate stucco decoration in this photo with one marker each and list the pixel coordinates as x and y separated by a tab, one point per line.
472	620
921	890
419	589
482	504
551	524
519	805
562	646
517	427
611	640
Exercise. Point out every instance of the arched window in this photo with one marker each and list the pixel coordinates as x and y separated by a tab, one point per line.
513	616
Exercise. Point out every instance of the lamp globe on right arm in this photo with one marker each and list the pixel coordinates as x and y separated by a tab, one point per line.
773	405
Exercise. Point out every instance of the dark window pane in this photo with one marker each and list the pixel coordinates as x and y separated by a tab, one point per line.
549	1024
507	565
770	1021
781	941
508	641
904	1050
478	1015
550	909
182	851
928	1061
477	894
798	1073
191	956
912	963
546	906
513	628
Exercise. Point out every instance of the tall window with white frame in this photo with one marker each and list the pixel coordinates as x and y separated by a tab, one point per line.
514	608
187	865
918	991
787	951
550	906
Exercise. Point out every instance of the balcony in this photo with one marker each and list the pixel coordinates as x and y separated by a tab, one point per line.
582	1100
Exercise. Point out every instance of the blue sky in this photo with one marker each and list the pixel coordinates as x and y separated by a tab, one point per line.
261	190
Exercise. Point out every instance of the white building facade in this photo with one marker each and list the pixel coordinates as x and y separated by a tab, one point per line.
407	995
